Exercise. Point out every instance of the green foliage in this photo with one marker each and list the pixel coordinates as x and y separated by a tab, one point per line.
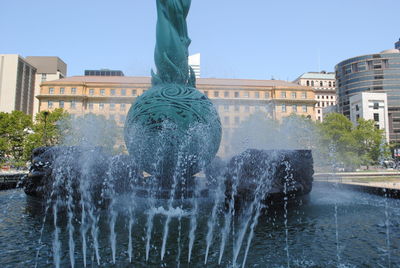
46	130
342	142
14	129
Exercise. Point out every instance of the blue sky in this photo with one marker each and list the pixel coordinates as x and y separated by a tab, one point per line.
256	39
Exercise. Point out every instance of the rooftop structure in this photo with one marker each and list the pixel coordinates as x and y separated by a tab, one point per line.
103	72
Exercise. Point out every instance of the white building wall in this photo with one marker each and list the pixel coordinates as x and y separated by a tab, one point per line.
368	104
8	80
194	62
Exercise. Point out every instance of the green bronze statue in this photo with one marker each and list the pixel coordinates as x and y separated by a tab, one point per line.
172	129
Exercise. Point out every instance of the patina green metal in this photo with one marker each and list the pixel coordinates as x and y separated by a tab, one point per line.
172	127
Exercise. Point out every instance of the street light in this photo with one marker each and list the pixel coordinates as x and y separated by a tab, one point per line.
45	114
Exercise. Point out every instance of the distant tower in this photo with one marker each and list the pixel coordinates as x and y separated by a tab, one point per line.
397	44
194	62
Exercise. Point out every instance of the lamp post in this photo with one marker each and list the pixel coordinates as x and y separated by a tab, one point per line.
45	114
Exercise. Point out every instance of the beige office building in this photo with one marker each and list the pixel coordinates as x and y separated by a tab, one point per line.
48	68
324	85
17	84
235	99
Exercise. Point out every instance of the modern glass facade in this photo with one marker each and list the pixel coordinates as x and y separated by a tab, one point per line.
377	73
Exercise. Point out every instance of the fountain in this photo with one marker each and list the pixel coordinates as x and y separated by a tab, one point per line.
154	207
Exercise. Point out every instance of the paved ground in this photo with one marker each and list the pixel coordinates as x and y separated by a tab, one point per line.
382	179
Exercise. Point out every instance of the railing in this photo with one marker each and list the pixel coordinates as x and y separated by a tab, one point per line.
10	180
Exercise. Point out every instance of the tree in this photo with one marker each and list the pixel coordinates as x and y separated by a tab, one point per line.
14	128
370	141
342	142
46	131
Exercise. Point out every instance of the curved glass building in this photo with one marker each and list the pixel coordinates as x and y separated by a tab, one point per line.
377	73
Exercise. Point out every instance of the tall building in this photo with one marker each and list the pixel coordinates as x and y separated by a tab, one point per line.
103	72
194	62
324	87
370	106
372	73
48	69
397	44
234	99
17	84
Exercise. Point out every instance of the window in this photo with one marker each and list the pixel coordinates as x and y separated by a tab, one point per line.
247	108
91	92
304	95
357	108
122	118
62	90
385	64
44	77
266	95
102	92
319	111
304	108
216	94
376	105
50	104
245	94
73	104
143	91
237	108
284	108
61	104
101	106
112	92
283	94
323	97
236	94
112	106
321	84
376	117
237	120
330	84
293	95
308	83
312	83
73	90
257	95
294	108
134	92
226	107
226	94
226	119
51	90
122	106
206	93
90	106
123	92
317	96
354	67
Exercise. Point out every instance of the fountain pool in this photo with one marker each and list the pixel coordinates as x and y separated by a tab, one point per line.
334	228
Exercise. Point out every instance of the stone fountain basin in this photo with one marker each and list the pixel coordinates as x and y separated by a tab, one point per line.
282	174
